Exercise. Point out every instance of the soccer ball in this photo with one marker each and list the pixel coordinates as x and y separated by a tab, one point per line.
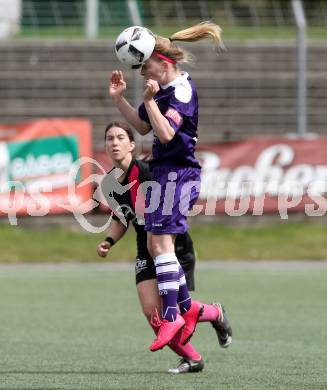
135	45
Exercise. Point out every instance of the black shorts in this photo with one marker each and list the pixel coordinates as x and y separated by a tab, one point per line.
146	270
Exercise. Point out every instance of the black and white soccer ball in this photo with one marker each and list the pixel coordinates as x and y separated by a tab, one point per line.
135	45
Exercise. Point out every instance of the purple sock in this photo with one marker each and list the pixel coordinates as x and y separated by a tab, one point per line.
183	299
168	284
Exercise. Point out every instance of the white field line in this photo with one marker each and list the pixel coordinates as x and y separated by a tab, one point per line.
200	265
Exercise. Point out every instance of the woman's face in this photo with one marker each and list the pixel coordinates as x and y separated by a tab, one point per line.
153	69
118	145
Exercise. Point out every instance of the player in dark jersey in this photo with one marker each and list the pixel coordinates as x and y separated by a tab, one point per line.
122	194
170	109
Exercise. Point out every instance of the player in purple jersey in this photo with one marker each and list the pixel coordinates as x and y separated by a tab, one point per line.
170	109
119	145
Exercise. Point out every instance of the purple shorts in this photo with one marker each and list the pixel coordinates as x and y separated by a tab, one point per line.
168	202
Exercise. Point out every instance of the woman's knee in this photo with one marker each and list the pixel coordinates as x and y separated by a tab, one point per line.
163	243
150	250
149	244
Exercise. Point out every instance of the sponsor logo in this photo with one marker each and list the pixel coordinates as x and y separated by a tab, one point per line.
174	115
140	265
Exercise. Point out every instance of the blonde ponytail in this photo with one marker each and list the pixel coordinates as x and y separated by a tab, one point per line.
204	30
200	31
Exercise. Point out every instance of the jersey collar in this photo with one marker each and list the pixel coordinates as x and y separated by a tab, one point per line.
176	81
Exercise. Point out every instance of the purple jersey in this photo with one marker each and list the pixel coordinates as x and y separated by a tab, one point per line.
178	102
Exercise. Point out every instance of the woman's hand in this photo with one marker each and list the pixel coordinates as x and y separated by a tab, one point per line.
103	248
151	88
117	85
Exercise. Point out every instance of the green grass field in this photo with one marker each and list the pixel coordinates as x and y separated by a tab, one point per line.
81	328
283	241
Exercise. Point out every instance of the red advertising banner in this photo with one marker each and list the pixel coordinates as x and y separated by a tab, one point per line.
37	167
265	175
261	175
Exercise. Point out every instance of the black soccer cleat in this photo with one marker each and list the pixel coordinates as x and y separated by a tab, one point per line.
222	327
187	365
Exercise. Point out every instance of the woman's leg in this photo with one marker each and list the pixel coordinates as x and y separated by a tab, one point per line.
162	243
149	298
150	303
172	289
167	271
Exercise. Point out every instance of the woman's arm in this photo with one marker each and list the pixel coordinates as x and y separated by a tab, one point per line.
132	116
116	88
116	231
160	124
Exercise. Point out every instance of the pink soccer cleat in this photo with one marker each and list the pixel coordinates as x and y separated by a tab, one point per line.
166	333
191	318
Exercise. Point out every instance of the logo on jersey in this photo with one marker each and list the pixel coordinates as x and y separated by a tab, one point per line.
174	115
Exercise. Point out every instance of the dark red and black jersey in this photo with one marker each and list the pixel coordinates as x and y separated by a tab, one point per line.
138	172
125	192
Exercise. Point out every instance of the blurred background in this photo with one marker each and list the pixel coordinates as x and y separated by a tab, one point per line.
61	52
269	87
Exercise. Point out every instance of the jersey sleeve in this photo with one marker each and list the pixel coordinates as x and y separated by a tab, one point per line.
174	114
181	105
143	114
115	217
145	174
105	186
174	117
